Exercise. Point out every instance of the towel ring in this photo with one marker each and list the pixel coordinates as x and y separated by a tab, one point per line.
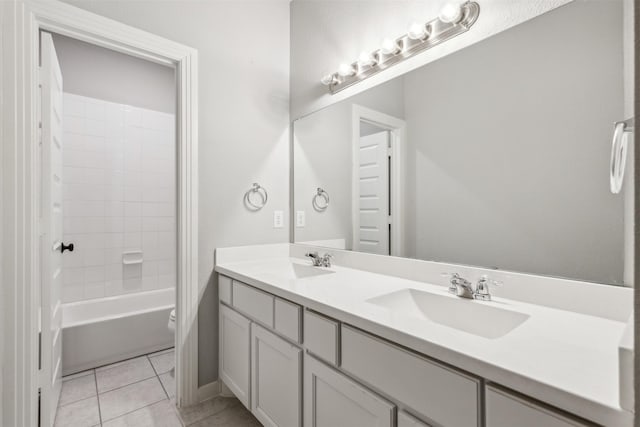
621	131
320	200
260	190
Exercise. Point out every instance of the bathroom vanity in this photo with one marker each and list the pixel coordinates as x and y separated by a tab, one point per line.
342	346
489	162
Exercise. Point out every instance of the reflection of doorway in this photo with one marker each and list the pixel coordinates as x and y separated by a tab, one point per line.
374	208
377	141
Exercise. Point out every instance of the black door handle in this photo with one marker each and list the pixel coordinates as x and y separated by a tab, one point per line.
68	247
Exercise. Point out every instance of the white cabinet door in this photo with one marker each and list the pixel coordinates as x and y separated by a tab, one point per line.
506	410
235	357
276	379
333	400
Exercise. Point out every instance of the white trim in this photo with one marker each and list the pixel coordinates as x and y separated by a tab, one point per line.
225	391
22	21
209	391
397	129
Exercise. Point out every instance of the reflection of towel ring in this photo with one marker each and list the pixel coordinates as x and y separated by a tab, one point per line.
320	200
256	188
619	154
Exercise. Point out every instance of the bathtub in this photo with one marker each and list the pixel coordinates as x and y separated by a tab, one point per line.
106	330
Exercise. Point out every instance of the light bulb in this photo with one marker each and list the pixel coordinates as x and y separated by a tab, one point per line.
346	70
389	47
451	13
328	79
417	31
366	59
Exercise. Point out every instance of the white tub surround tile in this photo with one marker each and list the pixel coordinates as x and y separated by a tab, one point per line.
83	413
123	374
565	354
118	181
130	398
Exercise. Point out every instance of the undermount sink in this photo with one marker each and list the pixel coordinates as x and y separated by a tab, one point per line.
292	271
474	317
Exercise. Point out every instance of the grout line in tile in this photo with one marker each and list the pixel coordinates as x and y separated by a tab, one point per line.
120	362
127	413
127	385
78	400
160	352
85	373
158	376
95	380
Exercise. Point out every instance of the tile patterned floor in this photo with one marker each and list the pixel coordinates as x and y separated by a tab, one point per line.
139	393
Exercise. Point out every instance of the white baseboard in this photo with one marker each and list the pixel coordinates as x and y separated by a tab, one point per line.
209	391
224	390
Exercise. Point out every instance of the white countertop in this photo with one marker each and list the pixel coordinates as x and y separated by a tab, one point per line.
566	359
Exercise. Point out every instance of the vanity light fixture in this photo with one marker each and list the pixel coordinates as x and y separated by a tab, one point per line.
346	70
451	13
390	47
454	19
417	31
367	59
329	79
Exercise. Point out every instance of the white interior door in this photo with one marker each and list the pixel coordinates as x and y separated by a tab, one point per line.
51	231
373	164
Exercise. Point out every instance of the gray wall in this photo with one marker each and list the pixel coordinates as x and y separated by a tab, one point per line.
512	148
323	158
96	72
243	49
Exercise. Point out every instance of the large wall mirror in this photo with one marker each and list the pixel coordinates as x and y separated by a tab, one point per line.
496	155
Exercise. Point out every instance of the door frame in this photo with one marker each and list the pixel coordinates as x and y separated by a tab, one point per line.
398	130
21	22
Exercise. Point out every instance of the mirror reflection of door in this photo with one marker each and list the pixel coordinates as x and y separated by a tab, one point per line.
375	188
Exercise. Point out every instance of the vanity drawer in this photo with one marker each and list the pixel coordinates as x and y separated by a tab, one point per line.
505	410
287	319
224	289
253	302
438	393
321	336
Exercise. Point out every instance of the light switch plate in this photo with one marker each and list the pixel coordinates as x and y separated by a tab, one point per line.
300	219
278	219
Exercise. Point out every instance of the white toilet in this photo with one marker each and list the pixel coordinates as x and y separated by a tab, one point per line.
172	321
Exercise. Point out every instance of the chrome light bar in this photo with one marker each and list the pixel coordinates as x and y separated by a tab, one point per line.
453	20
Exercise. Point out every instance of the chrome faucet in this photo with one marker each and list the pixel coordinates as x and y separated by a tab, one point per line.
319	261
460	286
482	288
315	258
463	288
